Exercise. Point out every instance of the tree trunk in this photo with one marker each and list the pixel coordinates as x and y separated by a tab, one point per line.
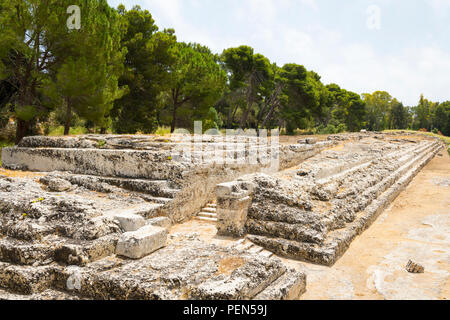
174	118
68	118
21	130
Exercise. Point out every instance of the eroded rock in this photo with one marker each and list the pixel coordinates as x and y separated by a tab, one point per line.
413	267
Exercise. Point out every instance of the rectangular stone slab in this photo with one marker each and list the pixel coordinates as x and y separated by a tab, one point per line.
140	243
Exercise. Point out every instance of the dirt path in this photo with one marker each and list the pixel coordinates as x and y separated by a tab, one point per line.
417	227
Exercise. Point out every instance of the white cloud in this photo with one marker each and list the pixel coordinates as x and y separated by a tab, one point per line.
310	3
440	4
357	66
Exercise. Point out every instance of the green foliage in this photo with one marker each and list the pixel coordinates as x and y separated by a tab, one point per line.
441	118
163	131
250	78
196	82
101	143
120	73
331	129
378	106
52	64
399	116
25	112
149	56
59	131
212	120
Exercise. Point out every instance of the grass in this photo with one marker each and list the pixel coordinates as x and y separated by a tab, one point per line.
101	143
163	131
445	139
4	144
59	131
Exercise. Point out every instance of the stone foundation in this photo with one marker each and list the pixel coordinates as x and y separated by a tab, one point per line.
94	221
315	211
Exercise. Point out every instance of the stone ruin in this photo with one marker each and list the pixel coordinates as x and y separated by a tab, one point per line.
89	217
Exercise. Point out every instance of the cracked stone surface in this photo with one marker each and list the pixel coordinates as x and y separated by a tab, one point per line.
315	211
415	227
61	224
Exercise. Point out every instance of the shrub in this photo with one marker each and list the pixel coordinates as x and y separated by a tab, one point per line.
163	131
59	131
8	133
341	128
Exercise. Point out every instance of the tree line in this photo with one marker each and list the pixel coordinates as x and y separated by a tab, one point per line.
120	73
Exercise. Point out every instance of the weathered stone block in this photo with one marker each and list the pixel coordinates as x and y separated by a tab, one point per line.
129	222
56	184
140	243
231	222
290	286
311	141
233	201
162	222
235	189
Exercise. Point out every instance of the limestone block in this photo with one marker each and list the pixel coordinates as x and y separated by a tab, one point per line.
129	222
234	189
56	184
231	221
311	141
290	286
140	243
233	200
162	222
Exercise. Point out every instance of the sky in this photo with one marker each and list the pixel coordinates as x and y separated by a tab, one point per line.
399	46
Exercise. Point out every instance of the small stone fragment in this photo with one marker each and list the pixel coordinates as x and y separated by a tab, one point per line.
58	185
413	267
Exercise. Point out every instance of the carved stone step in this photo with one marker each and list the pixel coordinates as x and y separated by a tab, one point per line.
255	249
266	254
290	286
207	215
206	219
244	246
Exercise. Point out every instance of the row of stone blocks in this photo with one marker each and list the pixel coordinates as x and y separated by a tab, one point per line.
179	274
154	171
235	198
136	259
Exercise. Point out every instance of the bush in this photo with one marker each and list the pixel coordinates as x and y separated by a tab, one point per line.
59	131
341	128
8	133
330	129
209	124
163	131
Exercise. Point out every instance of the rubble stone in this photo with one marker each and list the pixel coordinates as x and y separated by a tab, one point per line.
413	267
